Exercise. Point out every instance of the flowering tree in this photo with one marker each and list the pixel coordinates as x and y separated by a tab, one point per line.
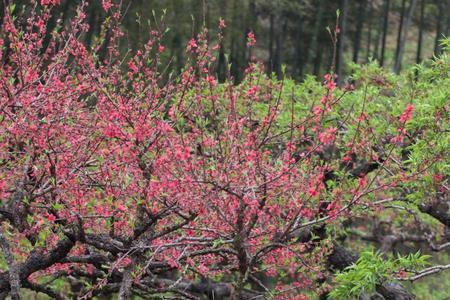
119	178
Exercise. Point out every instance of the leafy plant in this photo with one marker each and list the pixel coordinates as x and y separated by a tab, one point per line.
372	269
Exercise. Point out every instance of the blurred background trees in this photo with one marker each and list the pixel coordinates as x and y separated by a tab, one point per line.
289	32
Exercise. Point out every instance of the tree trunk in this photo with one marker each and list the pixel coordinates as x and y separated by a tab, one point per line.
206	17
271	37
253	16
235	43
404	35
439	32
299	62
177	41
93	22
252	22
221	63
279	42
447	18
369	31
341	42
318	60
421	25
400	31
3	5
359	29
312	52
385	30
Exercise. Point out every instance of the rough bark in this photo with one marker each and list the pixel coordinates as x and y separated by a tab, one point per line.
438	210
38	261
13	270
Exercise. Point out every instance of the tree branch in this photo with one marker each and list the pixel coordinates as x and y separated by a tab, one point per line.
38	261
426	272
13	270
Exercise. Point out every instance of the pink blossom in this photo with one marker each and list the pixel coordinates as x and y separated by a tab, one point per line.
50	2
51	218
192	45
328	136
133	67
106	4
222	24
407	113
251	40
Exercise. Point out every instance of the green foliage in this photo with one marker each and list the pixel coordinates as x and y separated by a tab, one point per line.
372	269
433	287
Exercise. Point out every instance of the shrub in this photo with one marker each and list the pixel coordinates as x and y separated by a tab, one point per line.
118	178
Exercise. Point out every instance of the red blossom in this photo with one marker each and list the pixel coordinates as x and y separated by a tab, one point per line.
407	113
51	218
251	40
328	136
106	4
362	181
436	177
190	174
222	24
192	45
50	2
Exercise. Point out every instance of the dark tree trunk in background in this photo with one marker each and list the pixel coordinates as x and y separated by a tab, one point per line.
207	16
279	44
288	32
235	42
221	63
93	22
341	42
318	59
404	35
400	31
441	9
271	38
3	5
199	16
359	29
385	30
313	48
253	16
252	20
177	41
242	48
447	18
369	31
421	25
277	54
299	62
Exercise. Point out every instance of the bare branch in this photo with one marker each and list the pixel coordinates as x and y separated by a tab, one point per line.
426	272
